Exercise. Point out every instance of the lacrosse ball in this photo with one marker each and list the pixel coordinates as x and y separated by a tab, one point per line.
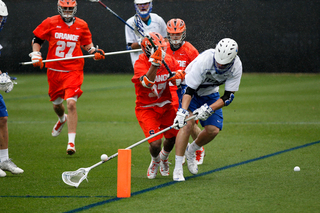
104	157
296	169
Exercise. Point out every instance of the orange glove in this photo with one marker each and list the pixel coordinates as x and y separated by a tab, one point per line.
157	57
98	54
36	59
177	78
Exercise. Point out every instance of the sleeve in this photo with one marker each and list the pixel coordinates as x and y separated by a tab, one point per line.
86	37
233	83
140	68
193	52
129	33
43	30
163	27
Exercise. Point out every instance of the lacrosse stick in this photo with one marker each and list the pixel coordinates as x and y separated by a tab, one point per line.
83	56
139	32
74	178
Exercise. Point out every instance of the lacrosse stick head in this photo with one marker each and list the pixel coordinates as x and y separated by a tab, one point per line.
74	178
158	41
6	84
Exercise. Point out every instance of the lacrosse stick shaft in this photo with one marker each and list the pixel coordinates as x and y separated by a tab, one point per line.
83	56
140	142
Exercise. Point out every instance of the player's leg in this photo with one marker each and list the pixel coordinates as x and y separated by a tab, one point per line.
59	109
5	162
200	153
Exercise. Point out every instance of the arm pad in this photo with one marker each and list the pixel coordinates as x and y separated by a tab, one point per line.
227	97
146	82
37	40
190	91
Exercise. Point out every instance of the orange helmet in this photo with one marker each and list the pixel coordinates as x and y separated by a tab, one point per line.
158	41
178	27
67	9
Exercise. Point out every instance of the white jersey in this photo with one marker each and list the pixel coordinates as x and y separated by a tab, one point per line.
156	24
202	76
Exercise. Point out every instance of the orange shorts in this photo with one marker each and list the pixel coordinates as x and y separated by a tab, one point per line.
154	119
64	84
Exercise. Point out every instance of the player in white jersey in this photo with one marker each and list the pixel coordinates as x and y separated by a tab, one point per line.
212	68
151	23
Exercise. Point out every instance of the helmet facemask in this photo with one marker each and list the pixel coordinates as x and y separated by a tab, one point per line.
67	9
176	33
143	9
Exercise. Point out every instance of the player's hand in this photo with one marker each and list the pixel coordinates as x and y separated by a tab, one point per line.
177	78
98	54
204	112
36	59
181	118
157	57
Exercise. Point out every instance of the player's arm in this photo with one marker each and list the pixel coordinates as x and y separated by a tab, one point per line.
98	53
35	55
224	100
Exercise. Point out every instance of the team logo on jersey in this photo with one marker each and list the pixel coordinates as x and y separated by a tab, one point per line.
66	36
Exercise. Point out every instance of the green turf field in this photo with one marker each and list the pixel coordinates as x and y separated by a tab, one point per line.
268	130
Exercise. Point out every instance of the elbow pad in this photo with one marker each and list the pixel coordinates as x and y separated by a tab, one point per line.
37	40
146	82
190	91
227	98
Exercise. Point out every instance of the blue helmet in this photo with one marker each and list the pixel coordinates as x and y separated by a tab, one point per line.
143	7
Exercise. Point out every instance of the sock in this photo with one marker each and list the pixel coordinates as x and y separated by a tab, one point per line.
71	137
164	154
156	159
178	162
193	147
4	154
63	118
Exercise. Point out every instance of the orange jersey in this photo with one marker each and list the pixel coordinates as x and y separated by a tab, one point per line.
184	55
64	41
159	94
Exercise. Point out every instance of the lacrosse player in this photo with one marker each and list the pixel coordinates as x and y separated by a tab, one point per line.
151	23
154	109
205	74
66	35
5	85
184	52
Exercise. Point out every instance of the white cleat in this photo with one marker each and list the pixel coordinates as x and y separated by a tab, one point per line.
164	167
178	175
58	127
153	169
2	173
71	149
200	153
192	162
8	165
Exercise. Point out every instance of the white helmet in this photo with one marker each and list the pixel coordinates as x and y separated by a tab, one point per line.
145	12
3	9
226	51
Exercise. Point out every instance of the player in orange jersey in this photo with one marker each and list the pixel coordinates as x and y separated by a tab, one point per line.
66	35
184	52
154	109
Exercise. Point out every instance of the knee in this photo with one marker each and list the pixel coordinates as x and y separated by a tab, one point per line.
71	105
3	121
155	145
212	130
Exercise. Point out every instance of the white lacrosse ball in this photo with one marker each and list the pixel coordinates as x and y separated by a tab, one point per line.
296	169
104	157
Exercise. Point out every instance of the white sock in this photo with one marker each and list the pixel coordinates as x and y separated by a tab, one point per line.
164	154
4	154
71	137
62	119
193	147
178	162
156	159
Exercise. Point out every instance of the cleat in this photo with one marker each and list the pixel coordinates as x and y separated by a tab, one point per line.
192	162
58	127
71	149
178	175
8	165
200	153
2	173
153	169
164	167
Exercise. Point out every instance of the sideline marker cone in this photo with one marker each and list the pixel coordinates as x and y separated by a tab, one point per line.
124	173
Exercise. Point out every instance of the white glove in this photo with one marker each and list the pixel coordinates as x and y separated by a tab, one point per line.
181	118
36	59
5	83
204	112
